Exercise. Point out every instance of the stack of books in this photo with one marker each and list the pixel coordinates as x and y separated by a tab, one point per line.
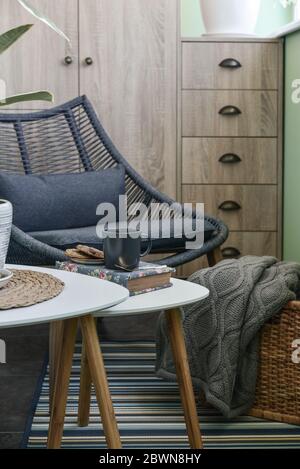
146	278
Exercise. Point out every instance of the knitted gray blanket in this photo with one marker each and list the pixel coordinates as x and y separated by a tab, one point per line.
222	331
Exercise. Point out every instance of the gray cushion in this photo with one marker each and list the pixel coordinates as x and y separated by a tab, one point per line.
65	239
60	201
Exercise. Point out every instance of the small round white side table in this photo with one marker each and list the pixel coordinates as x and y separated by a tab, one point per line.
169	300
81	297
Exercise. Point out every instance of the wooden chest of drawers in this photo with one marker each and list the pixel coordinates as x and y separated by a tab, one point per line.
230	139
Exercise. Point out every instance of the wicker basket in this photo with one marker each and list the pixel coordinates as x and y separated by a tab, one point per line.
278	381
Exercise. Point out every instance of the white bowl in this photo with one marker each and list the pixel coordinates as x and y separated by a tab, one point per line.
5	276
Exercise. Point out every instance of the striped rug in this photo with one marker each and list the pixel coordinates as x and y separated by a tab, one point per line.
149	411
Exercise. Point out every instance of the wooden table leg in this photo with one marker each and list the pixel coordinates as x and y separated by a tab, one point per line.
85	390
63	372
99	379
184	377
55	341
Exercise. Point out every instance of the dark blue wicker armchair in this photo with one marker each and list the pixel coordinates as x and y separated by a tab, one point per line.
69	139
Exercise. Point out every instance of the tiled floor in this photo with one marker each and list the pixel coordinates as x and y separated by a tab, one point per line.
26	348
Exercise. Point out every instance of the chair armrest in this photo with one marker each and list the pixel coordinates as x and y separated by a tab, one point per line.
37	248
186	256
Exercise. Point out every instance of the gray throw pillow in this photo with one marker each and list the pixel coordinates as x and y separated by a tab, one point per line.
60	201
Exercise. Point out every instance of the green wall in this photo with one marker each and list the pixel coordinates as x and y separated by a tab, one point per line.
271	17
292	152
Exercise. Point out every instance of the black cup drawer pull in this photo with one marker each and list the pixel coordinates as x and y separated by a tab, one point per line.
230	252
230	63
230	111
230	158
229	206
68	60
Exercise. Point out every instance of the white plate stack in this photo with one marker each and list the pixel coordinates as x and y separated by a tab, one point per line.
6	213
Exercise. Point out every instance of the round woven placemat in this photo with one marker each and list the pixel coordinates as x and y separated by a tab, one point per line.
27	288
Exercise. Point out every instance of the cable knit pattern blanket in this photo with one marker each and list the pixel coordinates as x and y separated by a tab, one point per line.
222	332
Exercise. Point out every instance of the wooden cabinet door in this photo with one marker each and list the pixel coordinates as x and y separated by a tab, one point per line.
132	80
36	61
204	65
229	160
241	207
240	244
228	113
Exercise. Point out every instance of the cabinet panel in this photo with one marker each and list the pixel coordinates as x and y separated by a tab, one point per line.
247	244
255	66
231	139
242	208
133	78
229	113
229	161
250	244
36	61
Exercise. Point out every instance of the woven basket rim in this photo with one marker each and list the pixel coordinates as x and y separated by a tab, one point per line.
292	305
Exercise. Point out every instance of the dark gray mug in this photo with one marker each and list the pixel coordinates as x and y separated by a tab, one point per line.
122	251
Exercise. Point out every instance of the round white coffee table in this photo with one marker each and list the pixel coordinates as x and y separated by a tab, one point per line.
81	297
169	300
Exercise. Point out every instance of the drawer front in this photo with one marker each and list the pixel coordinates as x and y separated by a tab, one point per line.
250	244
240	244
229	161
229	113
242	208
230	66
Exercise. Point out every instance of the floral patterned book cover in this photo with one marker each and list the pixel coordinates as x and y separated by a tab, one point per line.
145	269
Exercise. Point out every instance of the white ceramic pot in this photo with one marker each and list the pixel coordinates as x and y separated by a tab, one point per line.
230	16
6	213
297	11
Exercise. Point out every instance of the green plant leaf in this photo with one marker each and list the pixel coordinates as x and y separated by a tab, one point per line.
11	36
40	16
32	96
